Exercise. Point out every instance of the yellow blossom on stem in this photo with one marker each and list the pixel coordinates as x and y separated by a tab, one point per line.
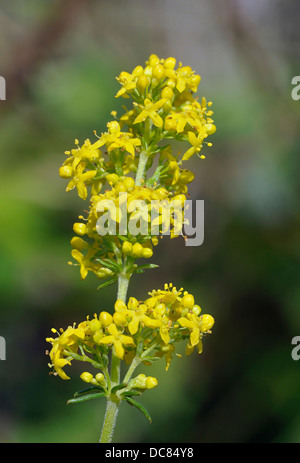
150	110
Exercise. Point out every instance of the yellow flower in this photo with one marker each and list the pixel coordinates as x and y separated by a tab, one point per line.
88	152
79	180
197	327
68	339
115	139
150	110
118	339
128	82
196	142
84	261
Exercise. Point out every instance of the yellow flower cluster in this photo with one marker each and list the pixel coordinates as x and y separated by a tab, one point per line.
164	107
137	188
136	331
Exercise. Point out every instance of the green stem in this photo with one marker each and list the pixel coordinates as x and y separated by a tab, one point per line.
109	421
112	406
134	364
123	282
141	168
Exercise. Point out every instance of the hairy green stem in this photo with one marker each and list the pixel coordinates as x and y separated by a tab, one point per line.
112	406
110	418
141	168
134	364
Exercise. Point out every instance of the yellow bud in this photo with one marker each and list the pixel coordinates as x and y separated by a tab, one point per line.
188	301
65	171
171	83
100	378
196	310
98	336
138	71
151	382
126	248
195	80
158	72
79	243
133	303
154	240
170	63
186	176
167	92
153	60
207	322
142	83
137	250
210	128
167	106
86	377
119	319
129	183
105	318
139	381
148	71
120	305
112	178
94	325
79	228
147	253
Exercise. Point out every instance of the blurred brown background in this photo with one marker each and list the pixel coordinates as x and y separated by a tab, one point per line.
60	59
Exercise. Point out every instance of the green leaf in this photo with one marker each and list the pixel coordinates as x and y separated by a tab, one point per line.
118	387
141	268
88	389
83	398
139	407
130	393
107	283
111	264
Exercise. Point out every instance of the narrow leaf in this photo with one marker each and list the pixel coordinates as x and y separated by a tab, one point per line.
139	407
88	389
130	393
107	283
83	398
118	387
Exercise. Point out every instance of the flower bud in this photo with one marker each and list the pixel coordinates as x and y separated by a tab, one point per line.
119	319
79	228
158	72
196	310
210	128
120	305
147	253
112	179
167	92
207	322
100	379
142	83
126	248
79	243
105	318
170	63
137	250
129	183
151	382
95	325
188	301
65	171
86	377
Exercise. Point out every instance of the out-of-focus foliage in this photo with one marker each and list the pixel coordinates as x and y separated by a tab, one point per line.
246	386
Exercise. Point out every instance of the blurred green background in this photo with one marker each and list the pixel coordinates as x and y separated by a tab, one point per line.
60	59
